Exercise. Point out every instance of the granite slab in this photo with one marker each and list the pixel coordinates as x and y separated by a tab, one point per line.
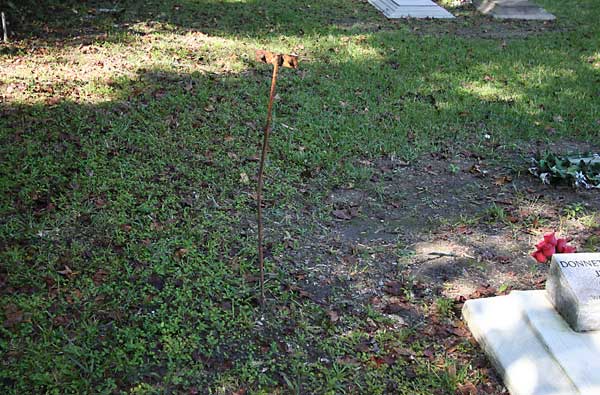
513	9
578	354
395	9
514	348
573	287
589	160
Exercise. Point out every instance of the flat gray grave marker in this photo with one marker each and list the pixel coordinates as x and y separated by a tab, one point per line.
520	356
587	160
395	9
513	9
573	287
577	353
545	342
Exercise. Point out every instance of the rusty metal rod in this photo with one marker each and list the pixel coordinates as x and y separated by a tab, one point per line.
277	60
261	170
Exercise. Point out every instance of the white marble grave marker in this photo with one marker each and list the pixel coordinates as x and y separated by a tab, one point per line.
410	9
573	287
533	337
513	9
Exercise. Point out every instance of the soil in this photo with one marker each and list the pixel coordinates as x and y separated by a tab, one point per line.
451	221
451	226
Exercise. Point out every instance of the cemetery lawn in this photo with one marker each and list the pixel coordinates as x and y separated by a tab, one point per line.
397	186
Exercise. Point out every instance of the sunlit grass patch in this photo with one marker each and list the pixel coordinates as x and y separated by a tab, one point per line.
129	146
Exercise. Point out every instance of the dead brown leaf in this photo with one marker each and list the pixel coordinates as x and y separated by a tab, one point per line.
463	230
394	288
60	320
156	281
384	360
159	93
333	316
476	169
67	272
155	225
344	214
364	346
13	314
451	371
502	180
427	353
466	389
512	219
397	307
350	260
459	330
181	252
483	291
99	277
301	292
250	278
53	101
404	352
502	259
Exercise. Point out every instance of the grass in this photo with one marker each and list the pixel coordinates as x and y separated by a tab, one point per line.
129	142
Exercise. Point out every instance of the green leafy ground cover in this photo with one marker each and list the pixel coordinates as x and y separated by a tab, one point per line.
580	171
129	144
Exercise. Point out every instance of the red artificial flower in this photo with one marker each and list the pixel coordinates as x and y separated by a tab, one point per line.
550	238
550	245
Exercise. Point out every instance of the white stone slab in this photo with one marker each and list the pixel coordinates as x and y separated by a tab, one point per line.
573	287
588	160
578	354
421	12
513	9
525	364
410	9
408	3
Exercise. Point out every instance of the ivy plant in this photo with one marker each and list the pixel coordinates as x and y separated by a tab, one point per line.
581	171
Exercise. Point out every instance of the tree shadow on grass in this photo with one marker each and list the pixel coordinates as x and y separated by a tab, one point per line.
64	22
391	113
148	183
252	18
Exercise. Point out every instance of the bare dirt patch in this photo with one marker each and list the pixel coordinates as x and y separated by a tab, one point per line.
417	237
453	221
